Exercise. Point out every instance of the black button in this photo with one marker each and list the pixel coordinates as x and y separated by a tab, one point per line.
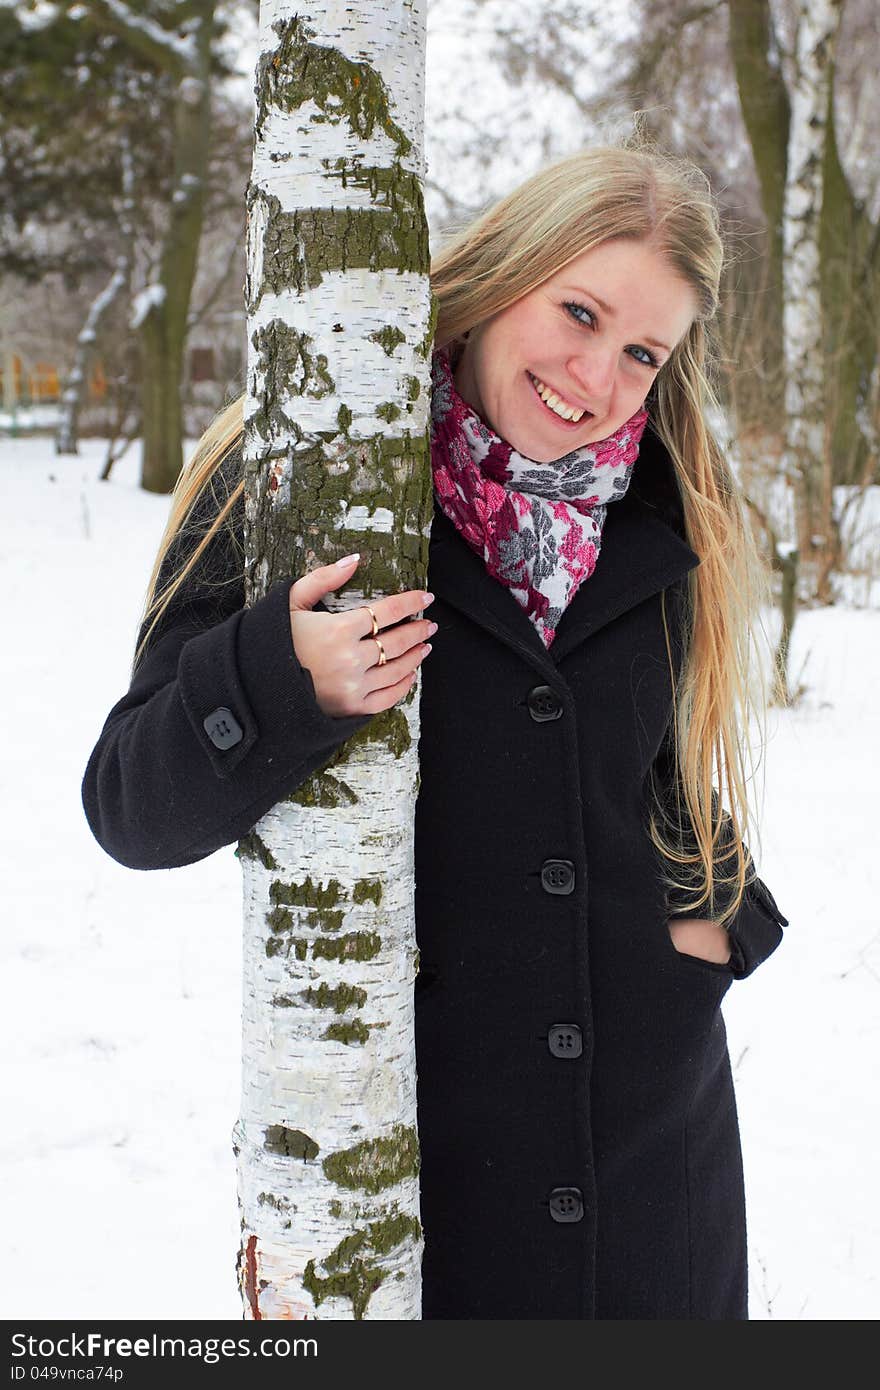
565	1040
544	704
566	1204
222	728
557	876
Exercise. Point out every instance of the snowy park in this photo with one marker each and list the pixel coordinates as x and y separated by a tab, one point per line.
122	989
340	245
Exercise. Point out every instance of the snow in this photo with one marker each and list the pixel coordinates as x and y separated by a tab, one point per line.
149	298
120	1052
182	47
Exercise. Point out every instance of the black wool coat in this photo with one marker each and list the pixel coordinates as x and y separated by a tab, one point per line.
580	1154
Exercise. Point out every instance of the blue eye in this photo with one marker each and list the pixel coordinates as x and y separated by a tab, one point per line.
649	360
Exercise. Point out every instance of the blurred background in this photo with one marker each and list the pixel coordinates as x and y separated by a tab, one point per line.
120	1054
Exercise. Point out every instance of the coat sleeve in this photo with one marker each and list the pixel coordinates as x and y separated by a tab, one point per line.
219	724
757	927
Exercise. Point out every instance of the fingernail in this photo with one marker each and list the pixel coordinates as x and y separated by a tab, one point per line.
432	628
347	559
429	598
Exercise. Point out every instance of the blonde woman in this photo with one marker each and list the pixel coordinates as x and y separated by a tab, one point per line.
584	895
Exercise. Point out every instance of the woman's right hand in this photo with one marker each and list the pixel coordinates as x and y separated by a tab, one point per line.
338	648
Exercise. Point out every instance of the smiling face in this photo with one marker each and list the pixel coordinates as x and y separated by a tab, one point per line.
560	342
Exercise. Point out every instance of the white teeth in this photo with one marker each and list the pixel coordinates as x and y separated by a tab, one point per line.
550	398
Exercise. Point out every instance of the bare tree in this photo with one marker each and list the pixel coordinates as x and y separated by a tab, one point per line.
66	439
806	414
180	41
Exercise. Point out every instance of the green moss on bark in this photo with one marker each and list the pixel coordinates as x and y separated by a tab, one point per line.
389	338
299	248
284	1001
359	1282
289	1143
308	893
391	472
298	71
359	945
287	366
323	790
337	997
367	889
279	919
374	1164
427	342
352	1031
380	1237
252	847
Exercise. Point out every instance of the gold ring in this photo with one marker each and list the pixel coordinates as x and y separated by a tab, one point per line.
382	657
375	622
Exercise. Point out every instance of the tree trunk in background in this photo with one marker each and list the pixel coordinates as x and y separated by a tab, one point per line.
164	324
67	436
764	103
850	251
160	312
337	460
807	434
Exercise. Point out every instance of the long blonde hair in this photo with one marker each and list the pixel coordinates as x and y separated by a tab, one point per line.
634	191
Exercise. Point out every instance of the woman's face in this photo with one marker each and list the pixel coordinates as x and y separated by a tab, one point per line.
595	334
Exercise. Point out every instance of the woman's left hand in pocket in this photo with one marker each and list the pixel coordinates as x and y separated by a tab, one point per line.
697	936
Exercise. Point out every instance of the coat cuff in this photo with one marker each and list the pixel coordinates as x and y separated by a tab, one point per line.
755	931
242	684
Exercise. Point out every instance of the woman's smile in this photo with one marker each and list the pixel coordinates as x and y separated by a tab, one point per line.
551	402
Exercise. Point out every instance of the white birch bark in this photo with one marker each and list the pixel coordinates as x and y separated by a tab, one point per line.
806	440
336	421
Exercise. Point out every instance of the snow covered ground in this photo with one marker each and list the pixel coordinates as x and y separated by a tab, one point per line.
120	1048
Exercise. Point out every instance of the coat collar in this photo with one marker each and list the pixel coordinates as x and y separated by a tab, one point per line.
643	551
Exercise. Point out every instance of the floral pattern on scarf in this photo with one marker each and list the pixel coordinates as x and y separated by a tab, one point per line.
537	526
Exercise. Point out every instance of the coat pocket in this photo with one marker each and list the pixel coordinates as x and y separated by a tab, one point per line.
694	968
693	955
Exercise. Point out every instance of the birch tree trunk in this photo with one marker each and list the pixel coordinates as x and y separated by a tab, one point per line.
336	461
807	434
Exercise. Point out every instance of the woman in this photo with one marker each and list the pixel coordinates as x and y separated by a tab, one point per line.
583	900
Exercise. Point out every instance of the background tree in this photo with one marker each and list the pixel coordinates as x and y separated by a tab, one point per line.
117	285
337	460
715	80
178	40
103	183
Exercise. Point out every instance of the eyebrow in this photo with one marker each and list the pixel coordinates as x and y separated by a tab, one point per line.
607	309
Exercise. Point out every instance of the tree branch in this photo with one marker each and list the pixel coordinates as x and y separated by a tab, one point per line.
169	51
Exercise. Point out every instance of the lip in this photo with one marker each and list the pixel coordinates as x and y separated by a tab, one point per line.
565	424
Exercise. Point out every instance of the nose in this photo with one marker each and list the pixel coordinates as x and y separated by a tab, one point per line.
594	373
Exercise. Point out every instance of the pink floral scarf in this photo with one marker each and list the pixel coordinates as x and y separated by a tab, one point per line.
538	526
